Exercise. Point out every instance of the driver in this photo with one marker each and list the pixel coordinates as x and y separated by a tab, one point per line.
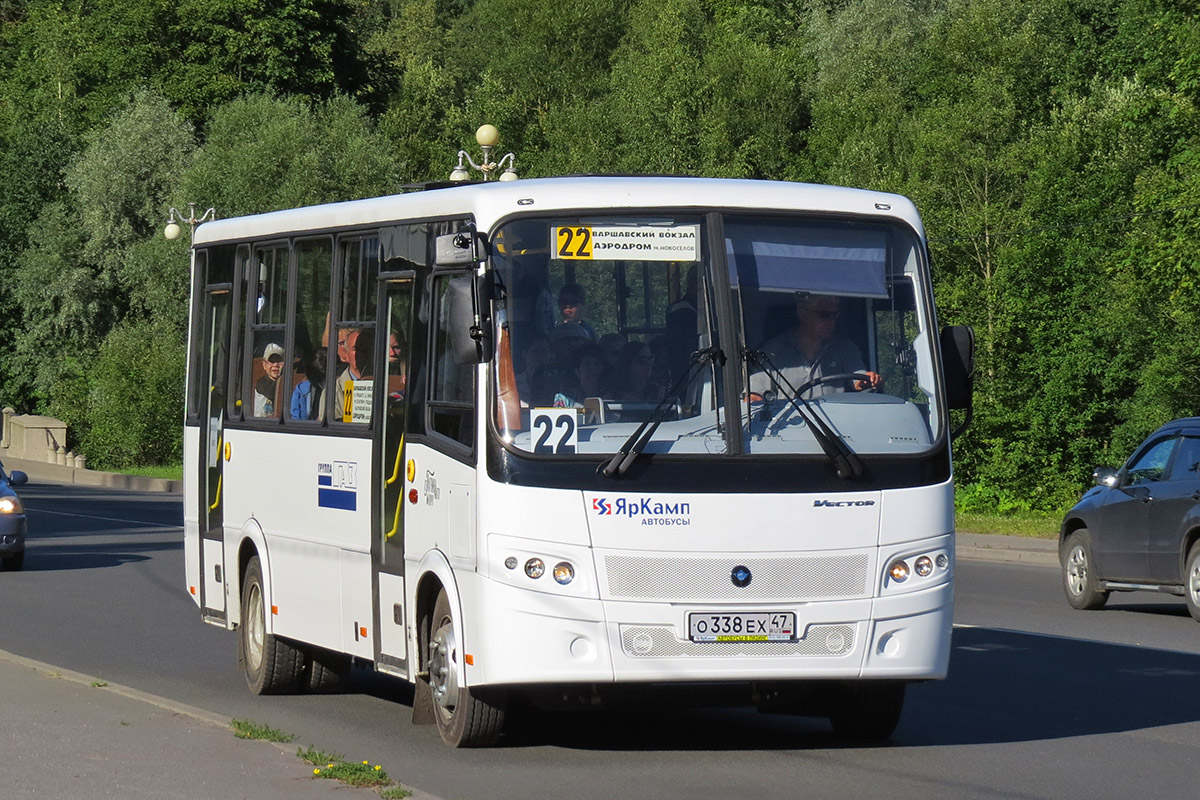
810	351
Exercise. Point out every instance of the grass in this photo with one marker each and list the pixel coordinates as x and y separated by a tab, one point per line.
334	767
245	729
1032	524
171	472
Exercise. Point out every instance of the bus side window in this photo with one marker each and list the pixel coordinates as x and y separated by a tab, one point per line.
452	401
264	359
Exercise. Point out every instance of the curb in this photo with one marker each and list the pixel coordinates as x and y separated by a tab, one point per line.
1006	549
57	473
183	709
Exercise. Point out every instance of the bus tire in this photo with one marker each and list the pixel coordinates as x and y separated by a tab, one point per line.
868	711
465	716
270	664
324	670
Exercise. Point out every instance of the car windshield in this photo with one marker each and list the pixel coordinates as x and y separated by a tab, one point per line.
609	326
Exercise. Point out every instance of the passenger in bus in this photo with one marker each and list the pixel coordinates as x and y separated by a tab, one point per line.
266	387
397	374
612	343
589	371
572	305
633	381
348	345
306	403
568	339
811	350
538	354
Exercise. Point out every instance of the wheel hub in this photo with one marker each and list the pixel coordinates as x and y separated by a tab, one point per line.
255	625
443	676
1077	570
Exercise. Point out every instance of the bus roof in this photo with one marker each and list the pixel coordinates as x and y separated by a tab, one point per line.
490	202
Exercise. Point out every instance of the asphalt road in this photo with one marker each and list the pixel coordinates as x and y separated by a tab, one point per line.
1042	701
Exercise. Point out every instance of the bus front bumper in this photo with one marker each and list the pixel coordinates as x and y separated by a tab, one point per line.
537	638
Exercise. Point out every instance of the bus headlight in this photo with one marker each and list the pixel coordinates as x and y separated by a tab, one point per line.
564	573
924	566
898	571
11	505
535	568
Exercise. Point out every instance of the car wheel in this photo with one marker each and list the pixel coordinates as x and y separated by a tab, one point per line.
1079	575
271	665
15	562
868	711
1191	581
465	716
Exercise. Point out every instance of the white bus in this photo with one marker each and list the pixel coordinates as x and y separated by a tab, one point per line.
579	439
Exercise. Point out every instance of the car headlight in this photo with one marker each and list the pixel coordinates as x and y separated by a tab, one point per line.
11	505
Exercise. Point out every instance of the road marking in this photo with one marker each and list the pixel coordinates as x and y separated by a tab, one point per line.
108	519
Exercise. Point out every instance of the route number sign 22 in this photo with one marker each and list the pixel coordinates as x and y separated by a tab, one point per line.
573	243
555	431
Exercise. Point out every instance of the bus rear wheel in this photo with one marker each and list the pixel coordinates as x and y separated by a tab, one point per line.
868	711
270	664
465	716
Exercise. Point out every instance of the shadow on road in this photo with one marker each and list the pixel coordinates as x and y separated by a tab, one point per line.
42	557
1004	686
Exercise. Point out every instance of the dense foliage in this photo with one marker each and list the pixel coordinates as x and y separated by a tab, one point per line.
1052	145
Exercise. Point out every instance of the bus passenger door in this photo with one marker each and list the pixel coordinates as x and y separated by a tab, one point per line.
391	402
214	373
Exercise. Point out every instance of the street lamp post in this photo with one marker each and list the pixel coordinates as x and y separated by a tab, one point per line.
488	137
173	230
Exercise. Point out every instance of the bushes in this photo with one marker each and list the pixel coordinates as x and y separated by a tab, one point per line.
134	408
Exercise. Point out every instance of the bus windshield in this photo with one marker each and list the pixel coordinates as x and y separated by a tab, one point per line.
791	330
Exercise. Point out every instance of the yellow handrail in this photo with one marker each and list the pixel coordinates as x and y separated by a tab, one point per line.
400	497
217	502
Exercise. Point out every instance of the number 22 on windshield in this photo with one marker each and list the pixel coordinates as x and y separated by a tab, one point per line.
574	242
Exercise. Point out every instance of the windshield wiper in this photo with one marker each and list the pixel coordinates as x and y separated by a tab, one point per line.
620	463
845	461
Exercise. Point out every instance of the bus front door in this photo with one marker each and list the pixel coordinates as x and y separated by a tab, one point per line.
391	404
215	374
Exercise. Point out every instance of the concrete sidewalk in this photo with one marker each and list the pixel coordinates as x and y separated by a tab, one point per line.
65	736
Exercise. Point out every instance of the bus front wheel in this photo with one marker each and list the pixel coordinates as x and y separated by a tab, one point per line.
465	716
271	665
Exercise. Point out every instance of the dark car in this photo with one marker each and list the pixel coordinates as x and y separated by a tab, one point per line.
12	521
1139	526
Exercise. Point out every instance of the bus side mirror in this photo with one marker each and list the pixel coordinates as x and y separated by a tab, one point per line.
958	361
469	319
459	249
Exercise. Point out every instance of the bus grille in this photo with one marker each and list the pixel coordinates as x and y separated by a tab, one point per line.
659	641
708	579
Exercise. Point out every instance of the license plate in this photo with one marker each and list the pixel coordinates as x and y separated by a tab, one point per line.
765	626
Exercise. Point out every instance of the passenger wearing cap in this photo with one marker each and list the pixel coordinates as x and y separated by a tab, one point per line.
266	387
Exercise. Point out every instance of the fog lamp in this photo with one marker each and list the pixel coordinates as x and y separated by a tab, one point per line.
942	561
535	568
924	566
898	571
564	573
511	562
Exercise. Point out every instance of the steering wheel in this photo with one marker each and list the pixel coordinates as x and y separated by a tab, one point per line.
840	376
